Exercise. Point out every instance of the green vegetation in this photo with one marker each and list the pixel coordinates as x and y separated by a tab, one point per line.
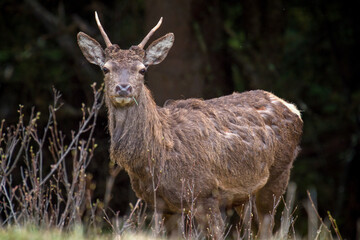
34	233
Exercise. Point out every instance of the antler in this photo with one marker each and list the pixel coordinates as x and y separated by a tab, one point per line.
103	33
144	41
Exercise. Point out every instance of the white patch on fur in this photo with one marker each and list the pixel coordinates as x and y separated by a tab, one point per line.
230	135
290	106
265	111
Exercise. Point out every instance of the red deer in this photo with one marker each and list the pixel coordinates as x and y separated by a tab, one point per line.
230	147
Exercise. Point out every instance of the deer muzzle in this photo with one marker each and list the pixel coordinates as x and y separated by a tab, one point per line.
123	90
123	94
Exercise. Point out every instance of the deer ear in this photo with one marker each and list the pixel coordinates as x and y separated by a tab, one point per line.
91	49
158	49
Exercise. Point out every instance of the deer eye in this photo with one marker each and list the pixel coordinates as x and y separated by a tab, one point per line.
105	70
142	71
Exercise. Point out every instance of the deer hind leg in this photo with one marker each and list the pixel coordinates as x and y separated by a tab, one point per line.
209	217
267	199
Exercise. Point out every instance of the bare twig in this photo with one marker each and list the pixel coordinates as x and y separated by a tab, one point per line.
10	203
96	106
56	199
334	225
317	213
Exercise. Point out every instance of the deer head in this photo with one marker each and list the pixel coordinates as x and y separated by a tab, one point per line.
124	70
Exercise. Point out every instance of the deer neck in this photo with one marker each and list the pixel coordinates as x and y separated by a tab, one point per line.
137	132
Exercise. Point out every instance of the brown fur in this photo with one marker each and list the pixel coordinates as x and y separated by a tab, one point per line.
230	147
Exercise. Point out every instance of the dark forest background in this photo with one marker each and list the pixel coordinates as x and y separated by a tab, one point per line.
303	51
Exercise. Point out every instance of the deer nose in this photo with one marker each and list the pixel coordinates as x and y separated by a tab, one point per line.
123	89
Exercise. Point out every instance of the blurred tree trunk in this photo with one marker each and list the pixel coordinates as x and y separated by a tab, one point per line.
209	30
189	68
180	75
264	24
199	65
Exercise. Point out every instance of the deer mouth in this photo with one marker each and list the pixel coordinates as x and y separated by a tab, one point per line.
122	101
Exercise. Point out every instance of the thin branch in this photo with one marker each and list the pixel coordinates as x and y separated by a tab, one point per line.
317	213
83	126
9	201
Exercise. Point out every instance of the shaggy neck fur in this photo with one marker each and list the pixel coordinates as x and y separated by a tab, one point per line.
138	132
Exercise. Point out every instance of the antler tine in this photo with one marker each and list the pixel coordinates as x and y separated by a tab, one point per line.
103	33
144	41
